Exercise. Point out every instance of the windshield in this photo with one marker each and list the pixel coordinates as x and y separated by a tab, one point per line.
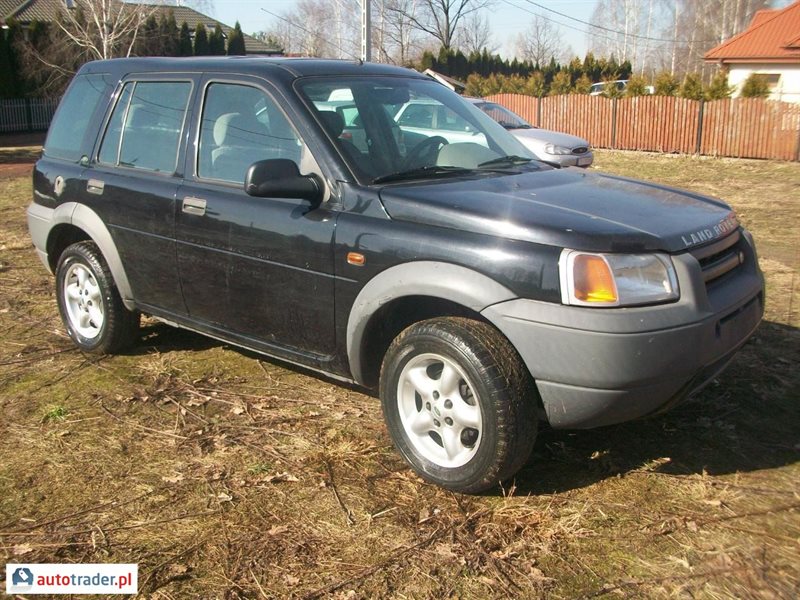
387	126
502	115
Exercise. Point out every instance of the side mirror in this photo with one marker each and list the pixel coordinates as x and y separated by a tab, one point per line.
280	178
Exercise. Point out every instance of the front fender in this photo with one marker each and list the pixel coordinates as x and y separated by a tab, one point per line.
421	278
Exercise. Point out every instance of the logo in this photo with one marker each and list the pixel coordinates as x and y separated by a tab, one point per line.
80	578
22	577
706	235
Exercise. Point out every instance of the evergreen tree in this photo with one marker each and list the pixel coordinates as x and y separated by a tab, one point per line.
755	86
14	35
719	88
201	46
148	42
535	85
692	87
637	86
216	42
666	84
8	87
561	84
168	34
583	85
236	42
185	41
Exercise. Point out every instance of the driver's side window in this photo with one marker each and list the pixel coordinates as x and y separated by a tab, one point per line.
240	125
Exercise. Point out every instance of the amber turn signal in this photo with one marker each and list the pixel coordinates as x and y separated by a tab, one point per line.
594	281
356	258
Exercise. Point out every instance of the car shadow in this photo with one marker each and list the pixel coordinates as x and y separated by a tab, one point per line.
745	420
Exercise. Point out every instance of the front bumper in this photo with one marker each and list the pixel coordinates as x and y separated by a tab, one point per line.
597	367
572	160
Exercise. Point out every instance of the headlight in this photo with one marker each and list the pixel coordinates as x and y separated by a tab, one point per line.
556	149
589	279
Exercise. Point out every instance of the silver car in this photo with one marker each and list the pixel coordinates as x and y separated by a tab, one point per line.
551	146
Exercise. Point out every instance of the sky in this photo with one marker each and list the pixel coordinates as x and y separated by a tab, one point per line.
508	18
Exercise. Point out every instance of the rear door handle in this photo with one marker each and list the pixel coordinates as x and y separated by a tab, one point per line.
194	206
95	186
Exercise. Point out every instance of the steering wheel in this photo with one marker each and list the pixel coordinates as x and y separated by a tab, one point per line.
424	152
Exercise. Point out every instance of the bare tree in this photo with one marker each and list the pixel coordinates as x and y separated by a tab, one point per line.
395	38
476	34
319	28
441	18
89	30
668	35
104	28
540	42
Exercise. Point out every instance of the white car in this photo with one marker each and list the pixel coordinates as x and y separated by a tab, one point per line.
551	146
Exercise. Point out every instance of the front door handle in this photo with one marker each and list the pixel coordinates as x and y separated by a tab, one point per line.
194	206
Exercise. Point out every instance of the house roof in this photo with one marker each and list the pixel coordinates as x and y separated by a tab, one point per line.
773	36
27	11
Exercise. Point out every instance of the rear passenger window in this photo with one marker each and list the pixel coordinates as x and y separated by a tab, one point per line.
240	126
109	151
149	117
67	132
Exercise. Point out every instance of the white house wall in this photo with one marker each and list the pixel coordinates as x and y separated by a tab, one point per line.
788	88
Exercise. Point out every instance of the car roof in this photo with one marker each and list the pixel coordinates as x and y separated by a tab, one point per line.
251	65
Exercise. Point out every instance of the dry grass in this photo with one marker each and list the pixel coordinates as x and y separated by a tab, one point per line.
227	476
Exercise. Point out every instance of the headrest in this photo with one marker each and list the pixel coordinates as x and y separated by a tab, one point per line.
333	122
222	127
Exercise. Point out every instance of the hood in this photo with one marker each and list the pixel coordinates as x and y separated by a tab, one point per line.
548	137
567	208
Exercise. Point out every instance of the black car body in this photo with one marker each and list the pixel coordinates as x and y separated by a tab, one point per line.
324	256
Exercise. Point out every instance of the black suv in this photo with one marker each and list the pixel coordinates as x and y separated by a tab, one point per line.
281	205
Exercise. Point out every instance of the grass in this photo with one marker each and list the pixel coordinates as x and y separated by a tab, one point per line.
225	475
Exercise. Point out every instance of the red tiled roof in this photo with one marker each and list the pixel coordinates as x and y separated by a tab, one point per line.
773	36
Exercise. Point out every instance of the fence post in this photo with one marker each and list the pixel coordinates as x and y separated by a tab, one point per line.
539	112
613	123
28	115
700	111
797	150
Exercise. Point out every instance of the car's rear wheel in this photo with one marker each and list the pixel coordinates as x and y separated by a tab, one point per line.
458	402
89	303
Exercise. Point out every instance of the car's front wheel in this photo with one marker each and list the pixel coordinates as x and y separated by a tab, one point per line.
89	303
458	402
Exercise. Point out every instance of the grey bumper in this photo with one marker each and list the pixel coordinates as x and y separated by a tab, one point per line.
597	367
40	222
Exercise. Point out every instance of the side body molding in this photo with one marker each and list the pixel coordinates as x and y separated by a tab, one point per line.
85	218
421	278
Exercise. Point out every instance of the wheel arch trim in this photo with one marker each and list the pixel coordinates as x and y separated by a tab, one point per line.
445	281
84	218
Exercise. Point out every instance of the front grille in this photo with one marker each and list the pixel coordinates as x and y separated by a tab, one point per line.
580	150
720	258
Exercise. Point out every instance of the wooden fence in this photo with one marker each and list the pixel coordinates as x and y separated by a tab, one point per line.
740	128
26	114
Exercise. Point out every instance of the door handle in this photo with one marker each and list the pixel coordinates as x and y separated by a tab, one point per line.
95	186
194	206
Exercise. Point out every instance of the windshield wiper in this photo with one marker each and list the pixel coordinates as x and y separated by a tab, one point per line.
510	125
421	173
511	159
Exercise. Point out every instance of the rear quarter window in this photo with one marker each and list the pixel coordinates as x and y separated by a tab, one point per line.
67	133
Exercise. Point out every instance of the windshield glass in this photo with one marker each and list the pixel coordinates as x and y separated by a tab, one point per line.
384	126
503	116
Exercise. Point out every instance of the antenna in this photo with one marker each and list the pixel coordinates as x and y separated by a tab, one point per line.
366	33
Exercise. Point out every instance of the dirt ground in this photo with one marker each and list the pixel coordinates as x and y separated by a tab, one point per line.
226	475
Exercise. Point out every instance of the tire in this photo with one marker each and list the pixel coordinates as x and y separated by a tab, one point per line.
459	403
89	303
